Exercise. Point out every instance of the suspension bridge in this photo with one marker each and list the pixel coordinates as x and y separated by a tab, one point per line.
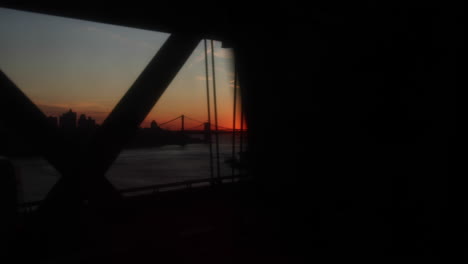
179	123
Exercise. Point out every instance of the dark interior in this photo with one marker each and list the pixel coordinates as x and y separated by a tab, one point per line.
351	113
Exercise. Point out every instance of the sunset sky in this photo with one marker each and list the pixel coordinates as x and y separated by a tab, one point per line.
62	63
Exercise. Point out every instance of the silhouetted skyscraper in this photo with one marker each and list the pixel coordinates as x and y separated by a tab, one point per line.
86	123
91	123
82	122
68	120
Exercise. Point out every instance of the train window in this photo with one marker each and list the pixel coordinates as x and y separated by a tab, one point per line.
76	71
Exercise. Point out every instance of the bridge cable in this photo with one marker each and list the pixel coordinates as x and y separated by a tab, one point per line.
234	122
195	127
169	121
209	110
194	119
215	109
225	128
241	140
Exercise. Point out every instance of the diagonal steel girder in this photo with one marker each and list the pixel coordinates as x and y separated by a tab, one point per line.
123	122
24	118
83	169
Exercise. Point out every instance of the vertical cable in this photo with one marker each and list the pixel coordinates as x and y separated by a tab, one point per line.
215	110
182	127
241	140
209	110
234	122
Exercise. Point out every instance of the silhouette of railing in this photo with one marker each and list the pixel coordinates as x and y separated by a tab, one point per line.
156	188
29	207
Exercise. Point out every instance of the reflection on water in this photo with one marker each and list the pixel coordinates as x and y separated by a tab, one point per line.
163	165
133	168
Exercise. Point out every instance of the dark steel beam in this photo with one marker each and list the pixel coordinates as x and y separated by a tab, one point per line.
22	117
169	18
123	122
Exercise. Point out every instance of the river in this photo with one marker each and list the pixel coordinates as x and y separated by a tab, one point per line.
133	167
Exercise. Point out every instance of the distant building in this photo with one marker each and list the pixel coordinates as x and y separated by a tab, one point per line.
82	122
86	123
68	120
91	123
154	125
53	121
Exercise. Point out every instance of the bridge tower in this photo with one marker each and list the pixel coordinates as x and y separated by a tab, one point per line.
182	117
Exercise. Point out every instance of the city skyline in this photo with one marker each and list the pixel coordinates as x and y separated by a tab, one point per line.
70	120
62	63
